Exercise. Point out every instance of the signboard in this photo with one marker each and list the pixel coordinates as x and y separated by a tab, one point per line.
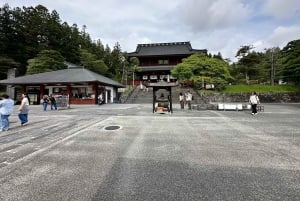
153	77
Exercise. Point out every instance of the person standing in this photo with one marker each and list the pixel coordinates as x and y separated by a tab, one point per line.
181	100
254	100
100	99
53	102
24	108
189	97
45	102
6	108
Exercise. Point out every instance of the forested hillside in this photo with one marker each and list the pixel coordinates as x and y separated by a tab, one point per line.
33	40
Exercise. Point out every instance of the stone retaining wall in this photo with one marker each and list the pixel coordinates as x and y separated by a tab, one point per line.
244	97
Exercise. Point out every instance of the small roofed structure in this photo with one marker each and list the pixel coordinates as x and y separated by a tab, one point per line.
81	85
163	102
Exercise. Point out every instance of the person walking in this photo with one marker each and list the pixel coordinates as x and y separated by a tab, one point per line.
254	100
181	100
53	102
189	98
45	101
24	109
100	99
6	108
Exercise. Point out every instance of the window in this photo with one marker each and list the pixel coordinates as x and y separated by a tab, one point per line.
163	61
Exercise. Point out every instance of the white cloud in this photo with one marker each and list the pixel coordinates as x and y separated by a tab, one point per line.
282	9
278	38
208	15
282	35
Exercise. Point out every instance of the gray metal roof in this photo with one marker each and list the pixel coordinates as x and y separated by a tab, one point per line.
71	75
175	48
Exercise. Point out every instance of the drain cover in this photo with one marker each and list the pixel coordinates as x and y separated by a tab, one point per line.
112	128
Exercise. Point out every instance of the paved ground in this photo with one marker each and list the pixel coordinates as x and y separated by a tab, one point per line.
190	155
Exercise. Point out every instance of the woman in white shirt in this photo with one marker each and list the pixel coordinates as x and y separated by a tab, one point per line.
254	100
24	108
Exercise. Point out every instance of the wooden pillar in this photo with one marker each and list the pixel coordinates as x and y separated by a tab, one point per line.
95	91
42	90
24	89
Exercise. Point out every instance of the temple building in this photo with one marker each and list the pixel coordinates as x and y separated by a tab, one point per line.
80	85
158	59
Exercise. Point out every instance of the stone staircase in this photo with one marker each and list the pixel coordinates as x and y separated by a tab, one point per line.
139	96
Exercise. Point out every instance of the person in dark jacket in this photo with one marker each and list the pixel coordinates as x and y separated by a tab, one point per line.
53	102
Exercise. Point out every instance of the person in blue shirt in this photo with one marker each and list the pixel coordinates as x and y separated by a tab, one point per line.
6	108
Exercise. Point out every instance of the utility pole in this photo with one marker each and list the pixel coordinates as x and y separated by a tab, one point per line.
272	67
272	71
123	62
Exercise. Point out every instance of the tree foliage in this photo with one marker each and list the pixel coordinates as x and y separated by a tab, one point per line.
291	61
46	61
269	66
25	32
91	62
199	66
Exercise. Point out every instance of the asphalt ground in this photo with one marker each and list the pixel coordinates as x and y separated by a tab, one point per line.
125	152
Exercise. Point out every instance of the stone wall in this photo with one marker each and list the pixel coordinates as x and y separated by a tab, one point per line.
244	97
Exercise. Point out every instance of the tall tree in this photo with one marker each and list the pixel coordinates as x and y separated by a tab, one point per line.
134	67
291	61
91	62
248	62
271	67
46	60
26	31
116	60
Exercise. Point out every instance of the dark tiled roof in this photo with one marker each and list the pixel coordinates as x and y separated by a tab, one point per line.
175	48
71	75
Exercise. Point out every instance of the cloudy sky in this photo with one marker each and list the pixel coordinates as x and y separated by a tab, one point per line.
216	25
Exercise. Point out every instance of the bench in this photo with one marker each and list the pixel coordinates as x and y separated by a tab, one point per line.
230	106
